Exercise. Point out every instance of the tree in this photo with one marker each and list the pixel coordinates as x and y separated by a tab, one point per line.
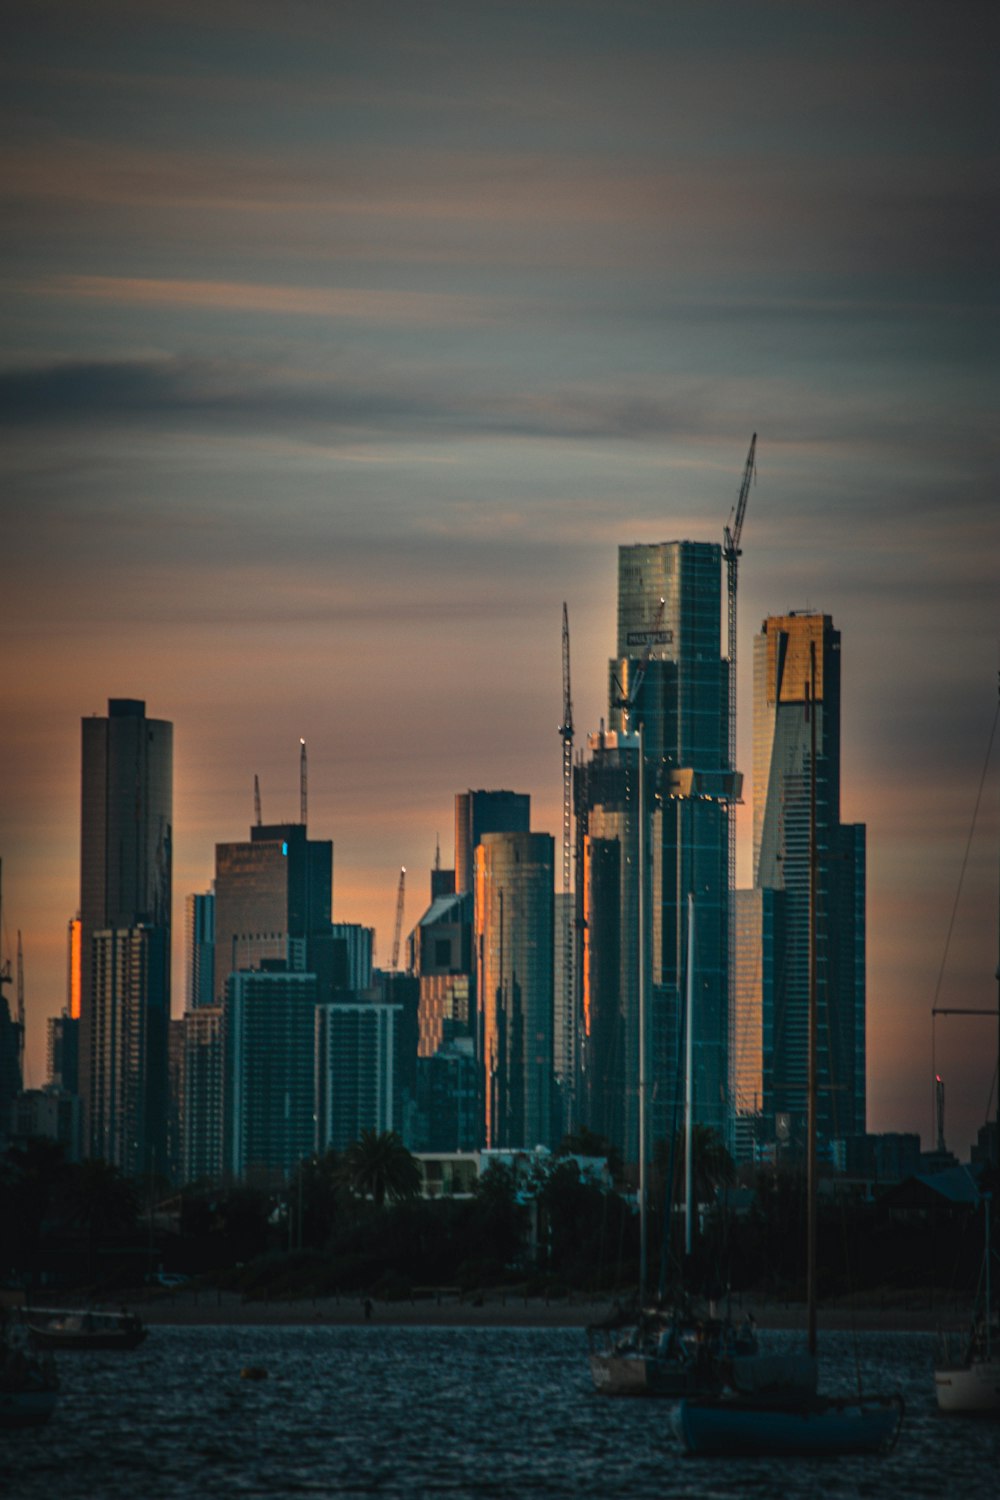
104	1202
377	1165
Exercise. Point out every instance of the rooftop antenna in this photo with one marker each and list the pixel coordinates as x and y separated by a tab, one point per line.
256	801
303	783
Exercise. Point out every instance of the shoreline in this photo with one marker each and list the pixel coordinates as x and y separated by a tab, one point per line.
212	1308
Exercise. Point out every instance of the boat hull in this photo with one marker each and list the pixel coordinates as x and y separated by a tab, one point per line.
640	1375
812	1429
973	1388
48	1338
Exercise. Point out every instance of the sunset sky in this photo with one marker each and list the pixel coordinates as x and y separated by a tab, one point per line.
342	342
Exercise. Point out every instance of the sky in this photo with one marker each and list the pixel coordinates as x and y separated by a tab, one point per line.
342	343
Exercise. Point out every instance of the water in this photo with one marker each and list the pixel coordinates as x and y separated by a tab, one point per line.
451	1412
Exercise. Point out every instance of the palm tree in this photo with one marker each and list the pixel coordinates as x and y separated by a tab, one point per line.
378	1166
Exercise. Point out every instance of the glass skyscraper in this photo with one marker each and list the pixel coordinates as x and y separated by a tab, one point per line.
514	926
783	655
670	678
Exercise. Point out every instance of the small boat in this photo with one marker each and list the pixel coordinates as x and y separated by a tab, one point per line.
56	1328
666	1352
732	1426
29	1383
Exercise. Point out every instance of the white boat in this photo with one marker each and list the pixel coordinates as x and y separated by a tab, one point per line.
795	1422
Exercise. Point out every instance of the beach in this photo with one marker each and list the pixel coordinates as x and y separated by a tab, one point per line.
892	1312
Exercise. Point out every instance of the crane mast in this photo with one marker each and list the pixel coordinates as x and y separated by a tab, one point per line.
256	801
731	553
20	1008
568	1059
303	783
398	930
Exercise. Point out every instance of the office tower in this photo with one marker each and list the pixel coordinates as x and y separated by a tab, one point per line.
354	970
199	950
440	957
514	931
758	948
565	1039
129	1015
269	1073
796	657
63	1053
449	1100
126	818
74	976
273	895
482	812
203	1113
670	678
357	1071
607	896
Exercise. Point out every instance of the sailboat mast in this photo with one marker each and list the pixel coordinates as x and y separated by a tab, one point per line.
642	1017
811	1184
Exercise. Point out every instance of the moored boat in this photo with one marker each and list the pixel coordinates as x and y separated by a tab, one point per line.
734	1426
87	1328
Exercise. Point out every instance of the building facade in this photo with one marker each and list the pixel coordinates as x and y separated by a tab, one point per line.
514	931
272	891
199	950
202	1120
269	1074
669	678
358	1071
797	695
125	886
129	1030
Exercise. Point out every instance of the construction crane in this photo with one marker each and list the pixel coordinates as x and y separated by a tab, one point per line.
626	701
731	553
303	783
566	734
256	802
398	930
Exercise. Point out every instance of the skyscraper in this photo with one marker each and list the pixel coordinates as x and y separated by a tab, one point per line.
482	812
199	950
670	678
125	894
272	893
797	657
514	928
358	1071
269	1073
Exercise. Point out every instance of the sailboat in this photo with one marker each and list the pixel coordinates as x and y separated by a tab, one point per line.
797	1421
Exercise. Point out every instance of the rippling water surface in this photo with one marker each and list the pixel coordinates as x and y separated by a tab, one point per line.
453	1412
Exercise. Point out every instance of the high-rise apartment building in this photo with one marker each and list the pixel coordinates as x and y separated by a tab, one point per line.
358	1071
125	897
203	1113
796	675
199	950
514	928
669	678
269	1073
271	892
129	1028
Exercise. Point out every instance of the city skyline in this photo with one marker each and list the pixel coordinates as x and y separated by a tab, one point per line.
335	362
